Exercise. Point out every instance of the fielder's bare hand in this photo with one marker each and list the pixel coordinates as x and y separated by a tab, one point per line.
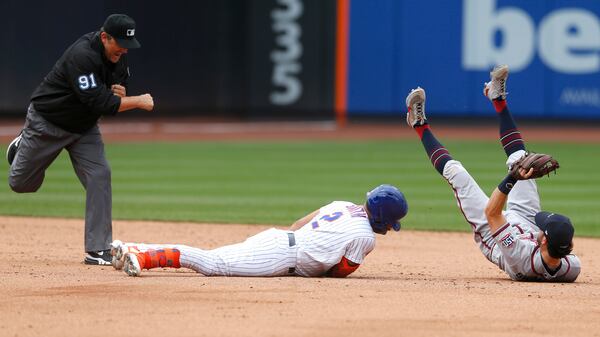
118	90
526	174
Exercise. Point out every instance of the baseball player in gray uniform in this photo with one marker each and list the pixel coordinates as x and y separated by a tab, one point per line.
87	82
528	244
331	241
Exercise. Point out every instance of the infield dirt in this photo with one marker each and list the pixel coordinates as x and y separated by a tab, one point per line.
412	284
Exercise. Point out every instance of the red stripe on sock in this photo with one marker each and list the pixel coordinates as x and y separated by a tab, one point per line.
506	132
508	139
499	105
420	129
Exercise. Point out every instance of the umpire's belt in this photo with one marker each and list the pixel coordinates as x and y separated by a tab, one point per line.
292	241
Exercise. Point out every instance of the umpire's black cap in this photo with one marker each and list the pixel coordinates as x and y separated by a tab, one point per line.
559	232
122	28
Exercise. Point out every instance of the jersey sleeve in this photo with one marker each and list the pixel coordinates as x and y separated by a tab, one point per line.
569	270
359	248
85	81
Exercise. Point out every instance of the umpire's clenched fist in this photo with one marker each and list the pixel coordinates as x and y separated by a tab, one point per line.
146	102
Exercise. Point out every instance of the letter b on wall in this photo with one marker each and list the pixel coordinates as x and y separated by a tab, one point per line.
481	24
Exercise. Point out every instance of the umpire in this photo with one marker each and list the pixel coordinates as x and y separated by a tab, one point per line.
87	82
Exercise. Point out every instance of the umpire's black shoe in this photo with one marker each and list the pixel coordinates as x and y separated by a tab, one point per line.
11	152
101	257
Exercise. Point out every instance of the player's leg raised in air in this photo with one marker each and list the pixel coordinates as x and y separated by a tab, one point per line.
524	199
470	198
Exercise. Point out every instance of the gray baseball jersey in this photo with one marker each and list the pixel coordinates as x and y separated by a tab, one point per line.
517	253
513	247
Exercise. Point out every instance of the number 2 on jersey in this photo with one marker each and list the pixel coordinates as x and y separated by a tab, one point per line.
87	81
327	217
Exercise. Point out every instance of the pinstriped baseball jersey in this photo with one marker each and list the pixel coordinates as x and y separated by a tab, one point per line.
340	229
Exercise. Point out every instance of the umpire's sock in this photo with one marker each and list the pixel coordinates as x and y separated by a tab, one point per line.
437	153
510	136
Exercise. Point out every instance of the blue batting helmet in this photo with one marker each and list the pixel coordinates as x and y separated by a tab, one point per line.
386	205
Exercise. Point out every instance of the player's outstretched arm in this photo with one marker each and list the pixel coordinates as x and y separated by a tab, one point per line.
303	221
494	207
493	210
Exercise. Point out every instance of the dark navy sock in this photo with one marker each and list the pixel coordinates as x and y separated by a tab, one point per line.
438	155
510	136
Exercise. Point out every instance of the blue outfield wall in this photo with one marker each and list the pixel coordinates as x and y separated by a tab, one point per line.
449	46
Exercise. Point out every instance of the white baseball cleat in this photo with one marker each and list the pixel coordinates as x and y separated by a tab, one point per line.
131	265
117	254
496	88
415	102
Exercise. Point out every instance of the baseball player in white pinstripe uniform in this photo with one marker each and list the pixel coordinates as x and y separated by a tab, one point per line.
331	241
528	244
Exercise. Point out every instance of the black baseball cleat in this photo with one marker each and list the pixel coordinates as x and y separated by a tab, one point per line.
11	151
101	257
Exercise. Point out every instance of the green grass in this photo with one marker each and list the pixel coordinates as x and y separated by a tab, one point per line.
276	183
